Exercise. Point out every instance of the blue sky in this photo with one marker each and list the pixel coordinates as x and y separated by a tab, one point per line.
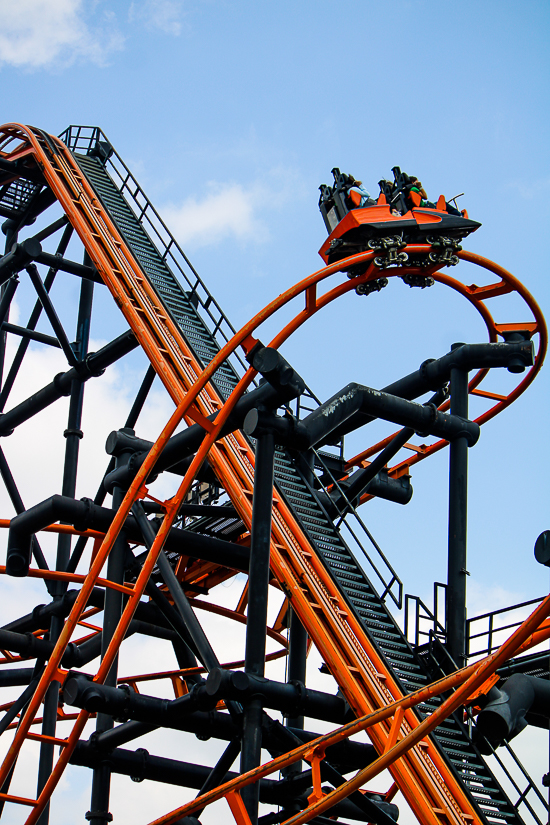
231	113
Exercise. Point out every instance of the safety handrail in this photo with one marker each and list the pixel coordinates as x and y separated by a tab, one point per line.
491	630
422	613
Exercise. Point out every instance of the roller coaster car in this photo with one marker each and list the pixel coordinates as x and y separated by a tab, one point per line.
396	214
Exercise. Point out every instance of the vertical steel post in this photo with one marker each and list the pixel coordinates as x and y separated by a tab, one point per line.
297	659
297	653
101	782
258	585
10	230
458	498
73	434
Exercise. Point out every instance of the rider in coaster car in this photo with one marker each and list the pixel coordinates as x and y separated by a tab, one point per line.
417	188
418	197
356	195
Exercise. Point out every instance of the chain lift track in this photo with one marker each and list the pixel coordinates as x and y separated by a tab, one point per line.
426	749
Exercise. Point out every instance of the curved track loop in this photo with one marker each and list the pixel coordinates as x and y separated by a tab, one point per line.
420	772
477	296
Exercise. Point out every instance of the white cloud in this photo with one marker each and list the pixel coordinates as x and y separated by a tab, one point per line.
158	14
225	211
37	33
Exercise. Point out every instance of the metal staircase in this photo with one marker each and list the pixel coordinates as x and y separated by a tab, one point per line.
406	667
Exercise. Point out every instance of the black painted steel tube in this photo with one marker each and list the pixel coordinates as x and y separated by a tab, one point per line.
58	262
292	698
84	514
347	755
434	373
94	365
520	701
19	508
185	444
218	773
32	322
20	256
320	424
73	433
296	673
7	295
237	686
258	588
141	397
23	332
14	676
53	318
101	780
297	659
142	765
200	640
458	508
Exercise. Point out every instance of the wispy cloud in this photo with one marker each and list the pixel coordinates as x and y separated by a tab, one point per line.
227	210
39	33
165	15
529	189
231	210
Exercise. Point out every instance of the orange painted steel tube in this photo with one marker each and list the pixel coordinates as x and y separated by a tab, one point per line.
60	576
467	680
59	528
483	670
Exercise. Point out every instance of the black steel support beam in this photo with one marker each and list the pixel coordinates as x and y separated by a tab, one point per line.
194	628
73	434
18	258
33	320
185	444
296	674
458	507
31	334
434	373
50	311
256	623
58	262
142	765
221	684
84	514
131	421
19	508
101	781
346	756
94	365
319	426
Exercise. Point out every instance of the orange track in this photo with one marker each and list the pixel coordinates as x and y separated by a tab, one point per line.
419	771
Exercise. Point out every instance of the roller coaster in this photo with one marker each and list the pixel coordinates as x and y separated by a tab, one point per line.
261	495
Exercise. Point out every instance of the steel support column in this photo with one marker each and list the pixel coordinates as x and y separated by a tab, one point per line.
258	585
458	495
73	434
101	782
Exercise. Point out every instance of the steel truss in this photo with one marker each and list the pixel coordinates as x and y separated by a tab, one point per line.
254	496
